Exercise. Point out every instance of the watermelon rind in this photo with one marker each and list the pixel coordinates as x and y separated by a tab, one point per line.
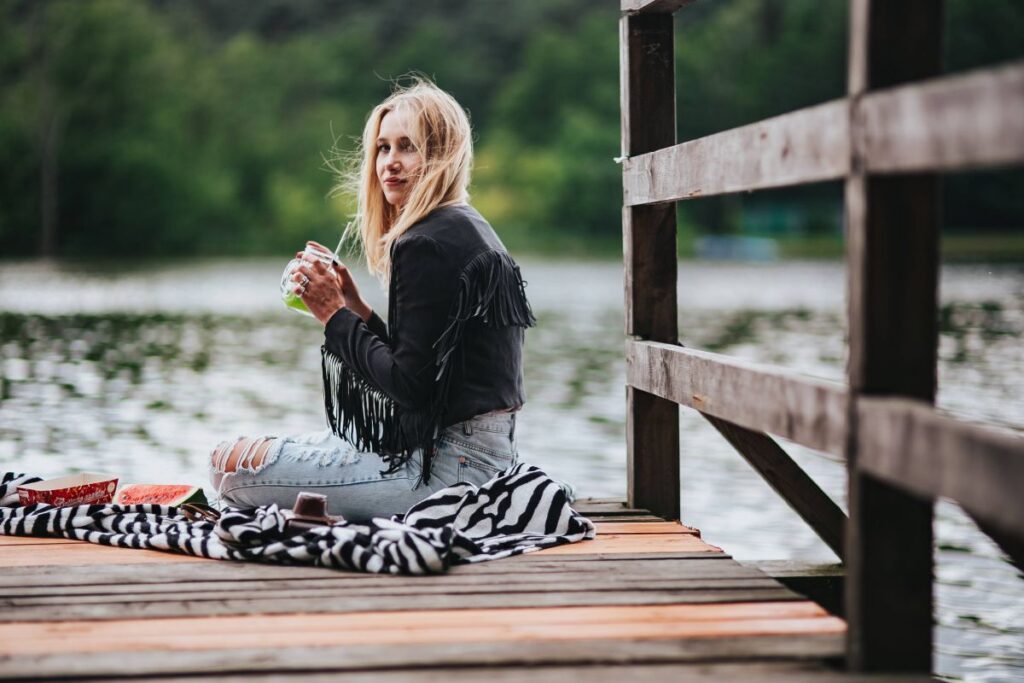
159	494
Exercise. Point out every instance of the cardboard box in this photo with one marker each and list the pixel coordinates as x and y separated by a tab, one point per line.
86	488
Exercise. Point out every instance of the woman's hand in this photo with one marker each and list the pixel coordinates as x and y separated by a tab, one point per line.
321	294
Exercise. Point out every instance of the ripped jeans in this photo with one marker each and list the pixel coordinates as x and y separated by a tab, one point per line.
472	451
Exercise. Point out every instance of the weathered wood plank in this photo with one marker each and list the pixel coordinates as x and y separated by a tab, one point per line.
892	271
88	553
70	574
952	123
606	506
652	452
32	540
633	543
423	626
618	518
759	672
789	480
646	528
910	444
420	656
809	411
670	564
804	146
653	6
339	602
648	109
438	585
82	552
617	524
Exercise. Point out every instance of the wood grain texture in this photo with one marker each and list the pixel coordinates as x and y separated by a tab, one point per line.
892	269
759	672
804	409
441	657
427	626
911	444
646	528
82	552
804	146
652	452
648	110
344	602
633	544
952	123
92	577
568	582
606	506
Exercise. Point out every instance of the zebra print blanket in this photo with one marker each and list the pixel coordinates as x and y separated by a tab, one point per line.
518	511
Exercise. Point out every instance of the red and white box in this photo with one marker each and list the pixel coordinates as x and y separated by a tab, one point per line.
85	488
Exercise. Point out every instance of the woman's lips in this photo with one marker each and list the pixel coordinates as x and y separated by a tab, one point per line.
393	181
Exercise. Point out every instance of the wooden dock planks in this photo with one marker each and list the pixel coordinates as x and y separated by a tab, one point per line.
645	591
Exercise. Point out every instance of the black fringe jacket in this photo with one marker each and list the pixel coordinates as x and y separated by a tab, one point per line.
452	348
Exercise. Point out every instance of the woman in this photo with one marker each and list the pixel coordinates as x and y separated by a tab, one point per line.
429	399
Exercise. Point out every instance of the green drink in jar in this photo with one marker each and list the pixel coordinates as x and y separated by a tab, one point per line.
288	295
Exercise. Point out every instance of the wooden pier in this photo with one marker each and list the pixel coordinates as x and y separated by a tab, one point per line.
646	598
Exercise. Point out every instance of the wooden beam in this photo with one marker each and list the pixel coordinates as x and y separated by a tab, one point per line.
892	256
648	106
1011	543
649	250
809	411
653	6
952	123
911	444
652	453
789	480
966	121
804	146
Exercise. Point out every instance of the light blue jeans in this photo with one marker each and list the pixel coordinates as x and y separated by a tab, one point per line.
472	451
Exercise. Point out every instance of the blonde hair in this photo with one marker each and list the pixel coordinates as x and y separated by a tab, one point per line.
442	134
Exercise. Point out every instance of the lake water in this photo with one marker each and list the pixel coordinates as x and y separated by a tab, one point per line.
142	370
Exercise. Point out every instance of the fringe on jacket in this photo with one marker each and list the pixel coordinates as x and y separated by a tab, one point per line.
491	289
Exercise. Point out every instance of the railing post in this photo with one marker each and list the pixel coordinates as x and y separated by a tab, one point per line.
892	259
647	87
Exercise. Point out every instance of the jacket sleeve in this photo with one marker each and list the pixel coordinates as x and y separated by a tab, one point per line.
402	367
378	326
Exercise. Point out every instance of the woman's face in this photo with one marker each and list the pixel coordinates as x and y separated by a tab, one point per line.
398	161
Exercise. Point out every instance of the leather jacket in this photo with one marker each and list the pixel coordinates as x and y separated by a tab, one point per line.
452	347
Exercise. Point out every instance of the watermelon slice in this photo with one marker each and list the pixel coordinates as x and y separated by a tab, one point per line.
159	494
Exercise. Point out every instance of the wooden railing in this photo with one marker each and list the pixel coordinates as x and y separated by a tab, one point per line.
900	125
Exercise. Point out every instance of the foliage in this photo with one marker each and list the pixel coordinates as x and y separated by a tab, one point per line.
200	126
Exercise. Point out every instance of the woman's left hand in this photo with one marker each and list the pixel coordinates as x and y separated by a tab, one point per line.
322	291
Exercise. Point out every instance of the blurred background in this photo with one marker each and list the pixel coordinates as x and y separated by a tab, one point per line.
161	159
197	127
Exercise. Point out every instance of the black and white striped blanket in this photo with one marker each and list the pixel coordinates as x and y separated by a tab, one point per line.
518	511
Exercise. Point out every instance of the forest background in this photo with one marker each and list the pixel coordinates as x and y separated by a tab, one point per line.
158	128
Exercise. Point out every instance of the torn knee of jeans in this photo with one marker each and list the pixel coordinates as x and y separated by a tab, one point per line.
244	455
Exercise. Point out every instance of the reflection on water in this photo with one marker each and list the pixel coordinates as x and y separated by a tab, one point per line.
141	371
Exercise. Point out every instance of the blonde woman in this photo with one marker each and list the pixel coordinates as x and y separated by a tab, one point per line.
430	398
